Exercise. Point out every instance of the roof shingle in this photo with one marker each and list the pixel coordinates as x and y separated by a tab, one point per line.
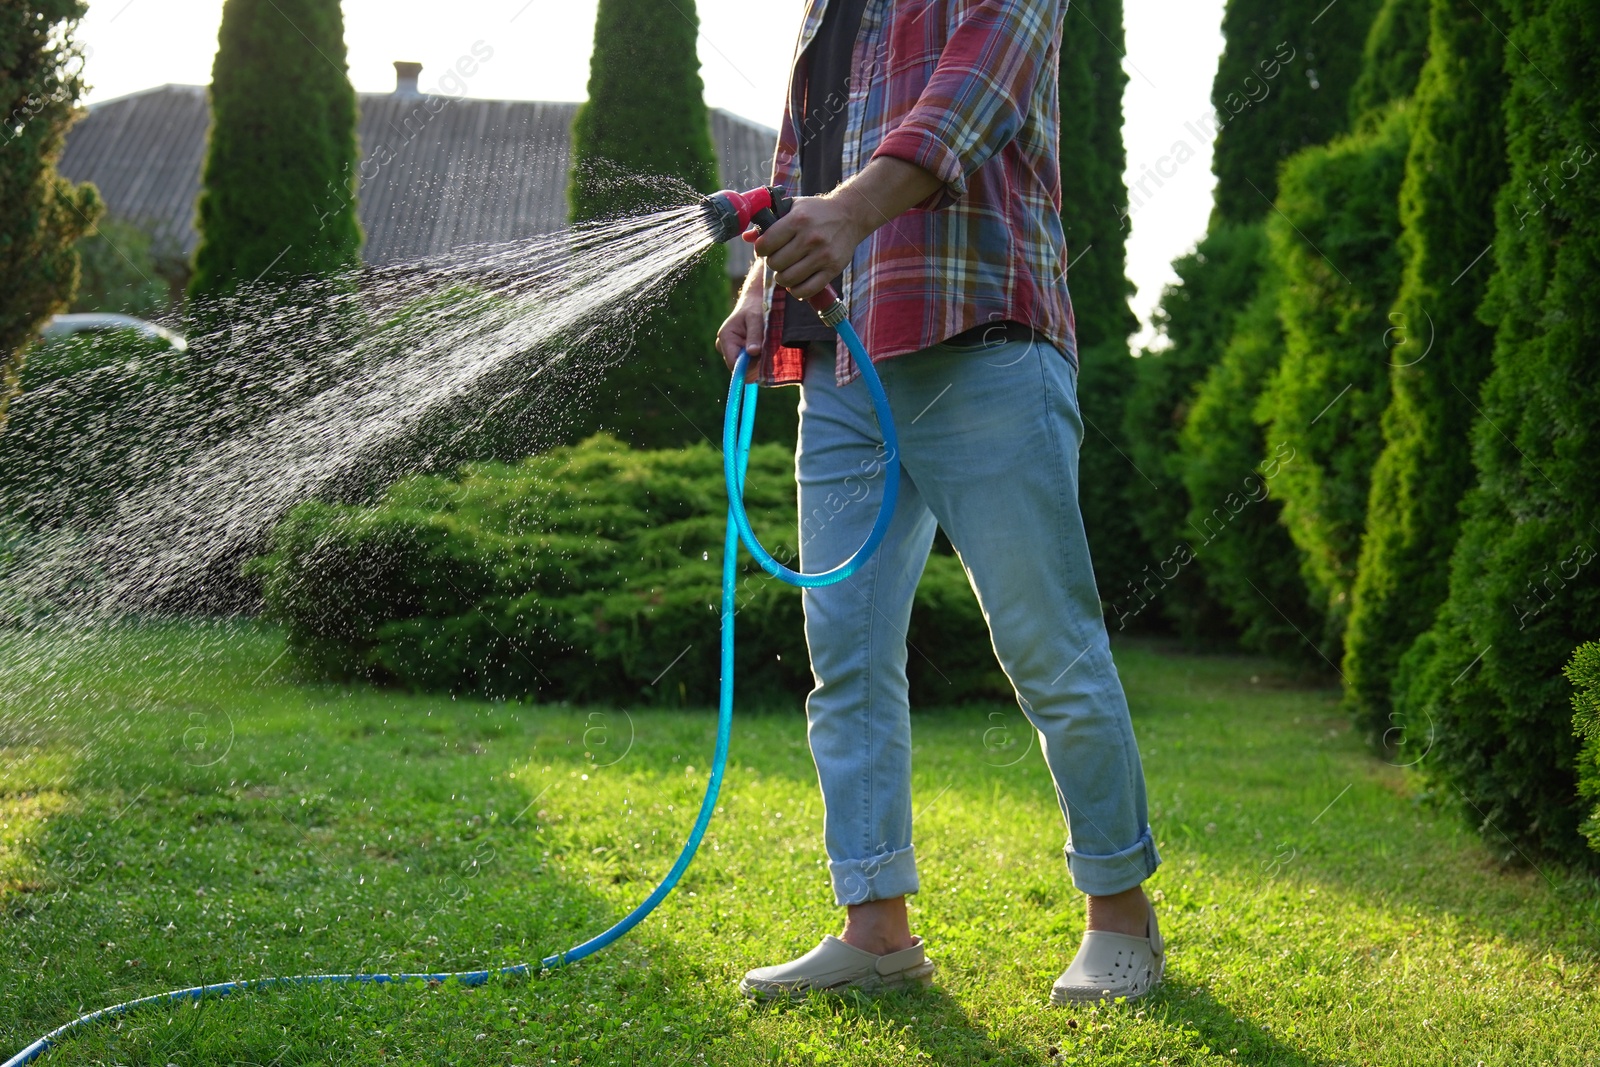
468	172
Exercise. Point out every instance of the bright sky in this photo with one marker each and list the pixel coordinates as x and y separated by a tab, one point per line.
541	52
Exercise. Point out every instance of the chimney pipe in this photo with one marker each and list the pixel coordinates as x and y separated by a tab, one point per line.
405	78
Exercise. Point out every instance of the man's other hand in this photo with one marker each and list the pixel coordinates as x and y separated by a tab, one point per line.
746	325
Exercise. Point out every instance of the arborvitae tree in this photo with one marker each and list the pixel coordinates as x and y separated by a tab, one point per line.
1397	44
1438	350
1523	586
1195	315
1249	563
277	202
42	215
1283	84
1333	245
645	121
1584	673
1094	202
1230	473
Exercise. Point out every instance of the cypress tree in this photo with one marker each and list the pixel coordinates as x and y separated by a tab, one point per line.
1283	82
646	120
1397	45
1230	473
42	215
1250	563
1439	352
1333	246
1196	317
278	189
1094	201
1315	49
1523	591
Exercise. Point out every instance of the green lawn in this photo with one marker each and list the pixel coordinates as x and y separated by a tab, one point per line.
176	809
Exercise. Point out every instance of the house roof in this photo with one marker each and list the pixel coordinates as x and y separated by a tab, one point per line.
469	172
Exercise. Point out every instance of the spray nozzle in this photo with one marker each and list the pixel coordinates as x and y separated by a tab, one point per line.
731	214
747	215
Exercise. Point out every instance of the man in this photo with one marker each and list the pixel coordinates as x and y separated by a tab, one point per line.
921	135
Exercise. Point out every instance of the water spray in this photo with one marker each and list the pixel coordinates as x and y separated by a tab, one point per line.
729	214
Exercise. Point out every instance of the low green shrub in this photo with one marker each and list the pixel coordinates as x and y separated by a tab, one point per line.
121	270
87	424
588	573
1584	673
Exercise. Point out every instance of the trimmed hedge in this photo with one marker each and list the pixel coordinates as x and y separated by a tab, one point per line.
1583	671
1333	245
588	573
1284	83
1230	473
1230	467
1397	45
1438	354
1523	578
1196	315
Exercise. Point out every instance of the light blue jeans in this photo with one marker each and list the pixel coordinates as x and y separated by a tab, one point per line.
989	452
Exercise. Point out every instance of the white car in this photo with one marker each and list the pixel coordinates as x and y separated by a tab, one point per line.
105	322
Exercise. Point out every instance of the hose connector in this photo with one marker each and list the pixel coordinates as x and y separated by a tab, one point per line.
829	307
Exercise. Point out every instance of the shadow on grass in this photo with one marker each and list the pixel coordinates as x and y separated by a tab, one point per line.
927	1021
933	1021
1209	1023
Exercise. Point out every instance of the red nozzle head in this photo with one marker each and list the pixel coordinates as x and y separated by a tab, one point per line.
730	213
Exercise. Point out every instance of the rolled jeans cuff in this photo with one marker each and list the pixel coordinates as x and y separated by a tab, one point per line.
1104	876
880	877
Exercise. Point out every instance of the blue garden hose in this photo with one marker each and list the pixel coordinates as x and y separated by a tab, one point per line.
738	425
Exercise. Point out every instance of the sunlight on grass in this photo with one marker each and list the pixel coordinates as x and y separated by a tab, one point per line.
220	820
23	813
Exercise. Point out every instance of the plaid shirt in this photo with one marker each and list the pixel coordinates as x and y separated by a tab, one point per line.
967	90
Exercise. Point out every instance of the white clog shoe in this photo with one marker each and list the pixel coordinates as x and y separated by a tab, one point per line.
1110	965
836	965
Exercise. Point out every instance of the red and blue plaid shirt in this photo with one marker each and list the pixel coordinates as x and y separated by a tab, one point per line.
967	90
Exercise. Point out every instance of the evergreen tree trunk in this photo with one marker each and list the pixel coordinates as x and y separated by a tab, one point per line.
1438	350
278	190
1524	590
42	215
1094	203
646	120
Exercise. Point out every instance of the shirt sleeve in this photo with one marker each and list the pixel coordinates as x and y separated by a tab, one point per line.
975	102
